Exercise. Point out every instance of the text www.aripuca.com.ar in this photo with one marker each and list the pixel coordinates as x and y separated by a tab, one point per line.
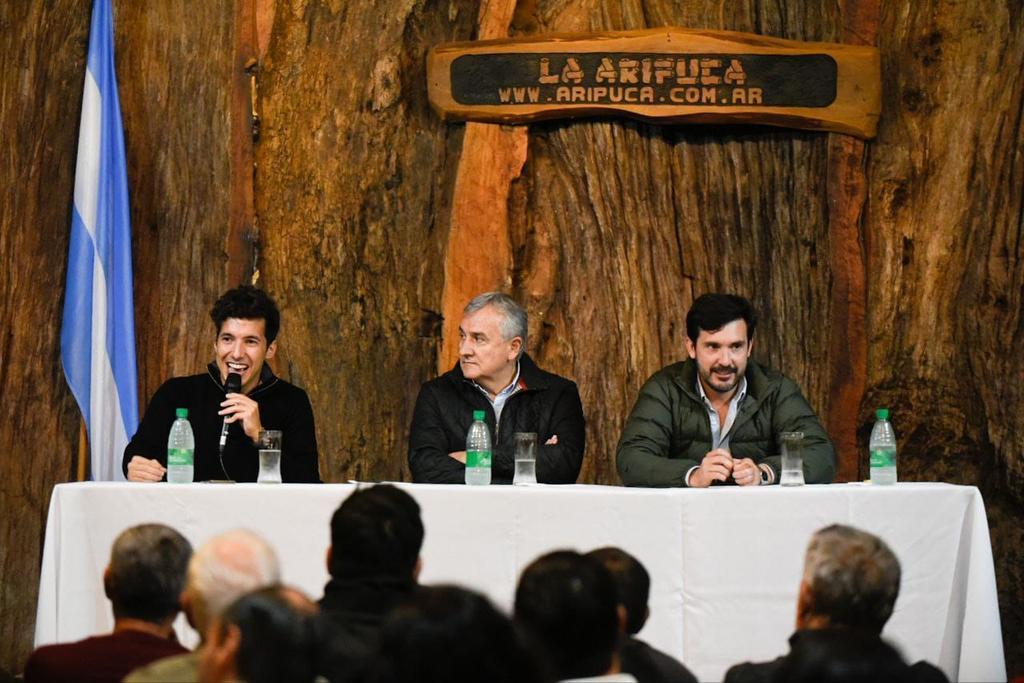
611	94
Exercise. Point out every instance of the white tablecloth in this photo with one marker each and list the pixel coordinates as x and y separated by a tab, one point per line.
725	563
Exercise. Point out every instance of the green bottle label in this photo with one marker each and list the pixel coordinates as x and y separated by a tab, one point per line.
179	457
478	458
883	457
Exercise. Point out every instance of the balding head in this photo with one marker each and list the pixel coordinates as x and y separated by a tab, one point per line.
225	568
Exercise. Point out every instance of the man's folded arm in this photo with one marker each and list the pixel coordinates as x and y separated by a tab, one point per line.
557	463
429	461
642	457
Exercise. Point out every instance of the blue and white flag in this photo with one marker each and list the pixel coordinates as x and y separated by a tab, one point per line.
98	334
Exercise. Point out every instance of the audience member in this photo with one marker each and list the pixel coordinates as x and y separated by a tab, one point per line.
850	582
447	634
568	603
374	562
632	586
223	569
268	636
842	655
144	583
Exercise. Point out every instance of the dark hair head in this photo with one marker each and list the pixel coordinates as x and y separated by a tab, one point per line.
842	656
711	312
632	584
446	634
147	571
853	578
280	635
376	531
248	303
568	602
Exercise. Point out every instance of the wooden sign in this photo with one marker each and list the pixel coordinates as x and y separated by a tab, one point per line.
672	75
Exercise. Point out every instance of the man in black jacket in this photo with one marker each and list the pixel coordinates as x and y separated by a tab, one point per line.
247	322
495	375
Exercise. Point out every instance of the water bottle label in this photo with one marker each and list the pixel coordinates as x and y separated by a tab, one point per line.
883	458
478	458
179	457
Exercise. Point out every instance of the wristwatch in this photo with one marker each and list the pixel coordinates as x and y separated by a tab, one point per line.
766	478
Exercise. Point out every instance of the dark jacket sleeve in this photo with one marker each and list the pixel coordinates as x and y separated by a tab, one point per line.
429	461
793	414
150	440
300	463
642	457
558	463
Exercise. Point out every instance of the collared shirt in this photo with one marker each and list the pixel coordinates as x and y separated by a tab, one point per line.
498	402
719	432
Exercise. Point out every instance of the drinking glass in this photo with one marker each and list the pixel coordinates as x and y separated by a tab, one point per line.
270	456
526	458
792	459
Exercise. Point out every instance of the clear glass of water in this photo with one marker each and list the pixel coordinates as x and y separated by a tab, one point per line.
526	458
792	459
270	456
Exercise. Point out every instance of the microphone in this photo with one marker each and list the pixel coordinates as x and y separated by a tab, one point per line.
232	385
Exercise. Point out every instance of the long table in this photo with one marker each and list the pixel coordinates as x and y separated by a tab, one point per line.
725	562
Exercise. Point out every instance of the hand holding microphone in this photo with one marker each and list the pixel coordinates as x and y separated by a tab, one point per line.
238	407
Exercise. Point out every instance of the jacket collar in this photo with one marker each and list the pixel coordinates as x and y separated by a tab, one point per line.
531	378
267	378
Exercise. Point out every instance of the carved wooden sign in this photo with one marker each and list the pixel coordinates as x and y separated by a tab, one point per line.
663	74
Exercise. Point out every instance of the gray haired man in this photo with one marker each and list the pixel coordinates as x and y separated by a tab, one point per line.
848	591
496	375
223	569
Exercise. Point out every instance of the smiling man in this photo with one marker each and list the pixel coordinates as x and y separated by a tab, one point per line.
495	375
247	322
716	418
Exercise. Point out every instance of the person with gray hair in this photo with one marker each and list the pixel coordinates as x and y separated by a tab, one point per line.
144	582
494	374
850	583
224	568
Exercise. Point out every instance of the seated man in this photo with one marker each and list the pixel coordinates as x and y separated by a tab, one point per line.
144	583
568	604
633	586
717	417
247	322
224	568
269	635
495	375
850	583
374	562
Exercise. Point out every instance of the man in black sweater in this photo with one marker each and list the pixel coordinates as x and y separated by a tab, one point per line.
496	376
247	322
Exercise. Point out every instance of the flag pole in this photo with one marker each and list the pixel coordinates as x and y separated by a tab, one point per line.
83	452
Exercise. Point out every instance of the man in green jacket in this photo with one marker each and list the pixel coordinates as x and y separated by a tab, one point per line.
717	417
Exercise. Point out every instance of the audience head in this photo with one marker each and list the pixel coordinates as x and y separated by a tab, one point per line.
711	312
270	635
247	303
376	531
146	574
851	579
222	570
447	633
567	601
842	656
632	584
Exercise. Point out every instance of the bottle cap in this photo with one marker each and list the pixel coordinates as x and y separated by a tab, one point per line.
478	415
882	413
181	412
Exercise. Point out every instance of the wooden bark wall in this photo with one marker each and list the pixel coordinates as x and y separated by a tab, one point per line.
614	227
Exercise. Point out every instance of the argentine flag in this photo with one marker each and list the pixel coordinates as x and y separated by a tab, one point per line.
98	334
